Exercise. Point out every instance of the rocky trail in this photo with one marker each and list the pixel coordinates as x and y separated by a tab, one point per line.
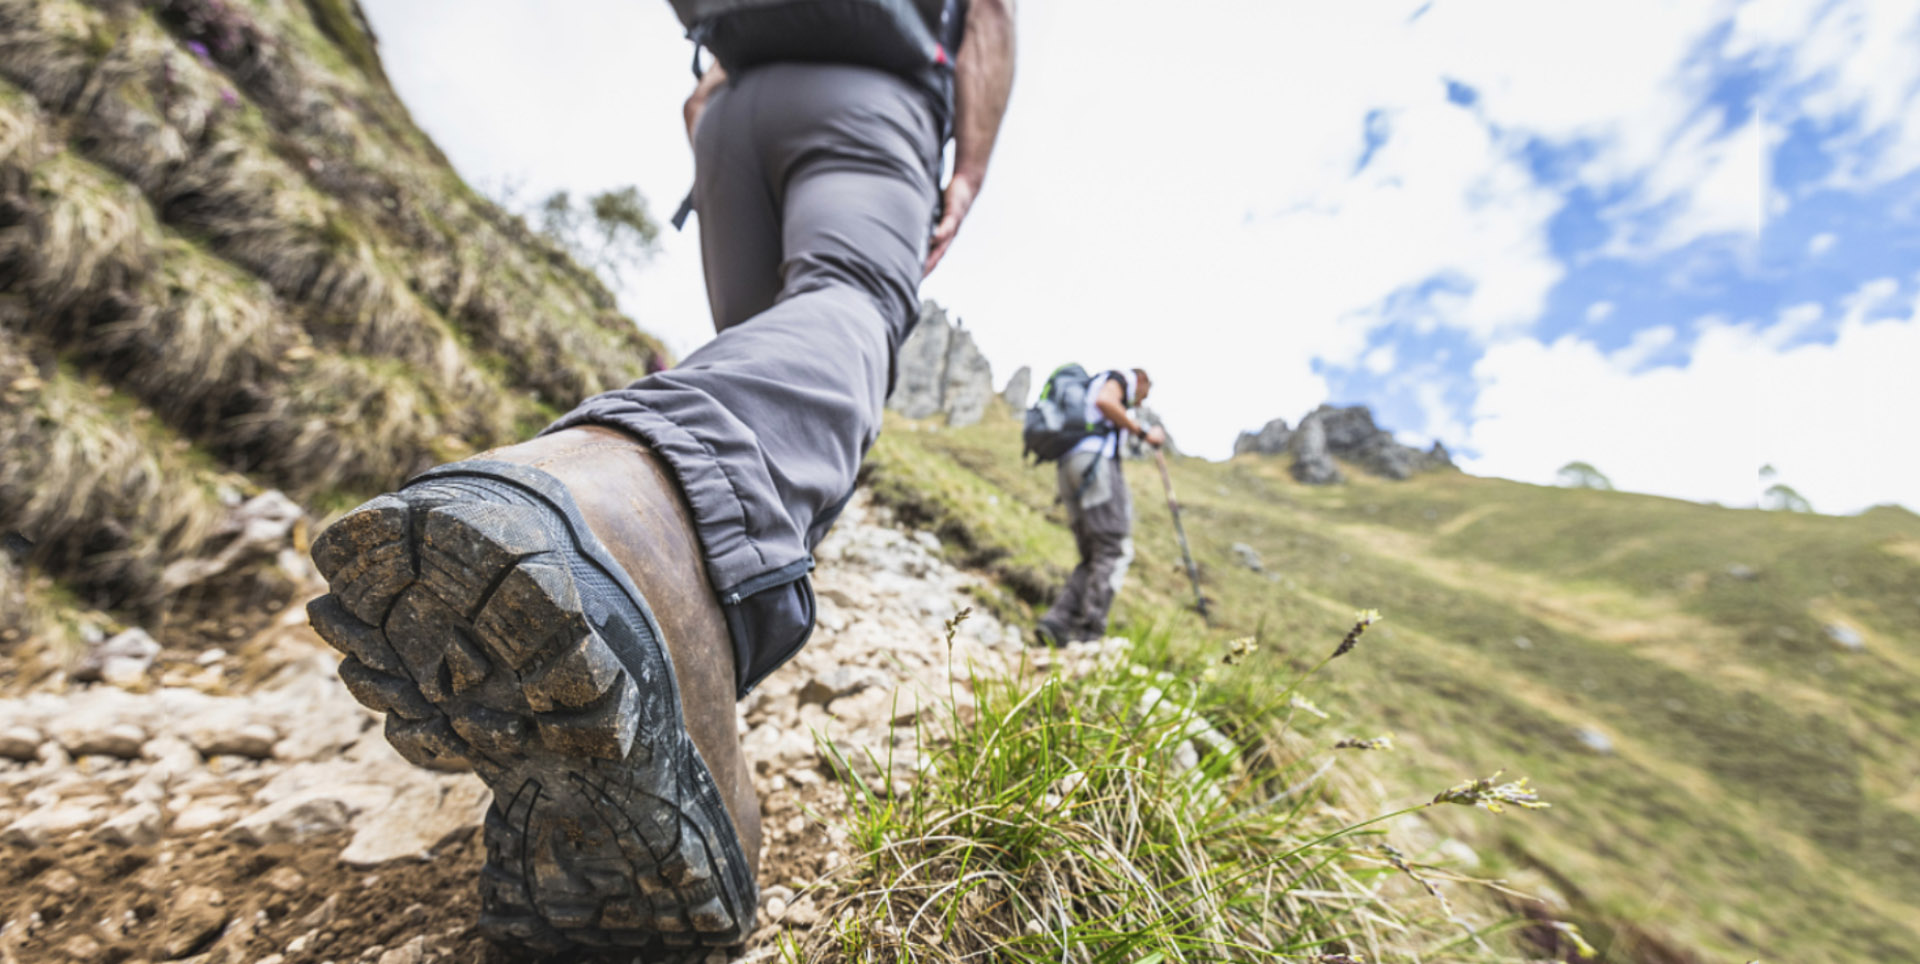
234	805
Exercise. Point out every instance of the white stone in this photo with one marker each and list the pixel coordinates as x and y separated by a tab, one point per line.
49	823
293	820
231	737
121	740
417	820
1846	637
200	816
136	826
20	743
1594	740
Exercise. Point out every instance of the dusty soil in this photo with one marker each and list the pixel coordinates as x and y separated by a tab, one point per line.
234	804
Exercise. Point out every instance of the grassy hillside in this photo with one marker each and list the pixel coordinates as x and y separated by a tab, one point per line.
1759	794
230	263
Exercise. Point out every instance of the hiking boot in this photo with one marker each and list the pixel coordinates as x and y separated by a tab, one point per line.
1049	634
541	614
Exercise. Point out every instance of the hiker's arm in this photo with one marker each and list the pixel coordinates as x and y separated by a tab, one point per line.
1112	402
982	82
697	101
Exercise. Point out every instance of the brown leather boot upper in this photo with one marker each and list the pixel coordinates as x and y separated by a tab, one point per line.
633	505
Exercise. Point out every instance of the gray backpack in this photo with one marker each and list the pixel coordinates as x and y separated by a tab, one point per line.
902	36
1057	420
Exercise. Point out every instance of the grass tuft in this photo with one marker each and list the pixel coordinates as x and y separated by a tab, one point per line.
1108	810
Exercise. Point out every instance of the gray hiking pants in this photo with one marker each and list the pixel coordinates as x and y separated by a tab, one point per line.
815	185
1100	514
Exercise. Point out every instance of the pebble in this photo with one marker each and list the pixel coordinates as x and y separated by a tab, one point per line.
121	740
137	826
20	743
49	823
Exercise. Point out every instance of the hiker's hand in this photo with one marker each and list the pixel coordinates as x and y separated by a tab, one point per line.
1156	436
953	209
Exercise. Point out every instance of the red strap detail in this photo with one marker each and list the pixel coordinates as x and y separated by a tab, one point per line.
940	54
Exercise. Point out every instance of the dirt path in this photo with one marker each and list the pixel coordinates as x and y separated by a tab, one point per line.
243	808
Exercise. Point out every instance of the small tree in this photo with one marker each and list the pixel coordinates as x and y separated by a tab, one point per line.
1781	497
611	231
1581	475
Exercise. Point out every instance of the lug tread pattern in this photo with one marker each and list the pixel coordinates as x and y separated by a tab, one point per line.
462	607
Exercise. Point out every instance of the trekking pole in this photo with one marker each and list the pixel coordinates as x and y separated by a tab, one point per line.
1173	505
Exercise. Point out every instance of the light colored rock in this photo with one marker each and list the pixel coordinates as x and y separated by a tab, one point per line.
120	740
1594	740
20	743
204	815
412	952
293	820
838	681
773	747
1846	637
228	736
173	758
261	525
417	820
193	918
1248	557
137	826
121	660
49	823
1018	388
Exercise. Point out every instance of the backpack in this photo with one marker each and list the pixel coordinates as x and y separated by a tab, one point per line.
1057	420
902	36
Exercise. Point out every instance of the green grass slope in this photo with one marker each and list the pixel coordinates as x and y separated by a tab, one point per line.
228	263
1759	798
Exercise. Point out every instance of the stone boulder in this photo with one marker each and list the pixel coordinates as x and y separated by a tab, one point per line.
1311	462
941	370
1348	433
1272	439
1018	388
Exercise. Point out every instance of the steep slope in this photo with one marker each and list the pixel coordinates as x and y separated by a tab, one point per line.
230	263
1721	702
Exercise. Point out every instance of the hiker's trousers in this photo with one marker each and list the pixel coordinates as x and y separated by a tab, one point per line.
1100	514
815	186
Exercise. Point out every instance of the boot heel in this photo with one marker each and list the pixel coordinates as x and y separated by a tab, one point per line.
479	613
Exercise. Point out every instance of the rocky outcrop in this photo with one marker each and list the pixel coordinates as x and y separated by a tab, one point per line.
1311	462
1272	439
1347	433
941	370
1018	388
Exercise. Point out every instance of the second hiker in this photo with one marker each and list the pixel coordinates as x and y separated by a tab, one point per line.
1099	510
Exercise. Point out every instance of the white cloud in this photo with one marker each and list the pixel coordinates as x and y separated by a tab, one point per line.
1381	360
1821	243
1599	311
1855	61
1645	343
1817	412
1178	195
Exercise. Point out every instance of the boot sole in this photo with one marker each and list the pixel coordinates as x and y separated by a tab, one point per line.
481	615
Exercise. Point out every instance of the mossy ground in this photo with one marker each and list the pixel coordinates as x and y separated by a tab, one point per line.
1760	798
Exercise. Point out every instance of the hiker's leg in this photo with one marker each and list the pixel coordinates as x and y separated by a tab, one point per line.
1109	526
765	425
739	218
1061	617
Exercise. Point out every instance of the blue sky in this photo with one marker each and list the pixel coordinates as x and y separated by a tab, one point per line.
1676	240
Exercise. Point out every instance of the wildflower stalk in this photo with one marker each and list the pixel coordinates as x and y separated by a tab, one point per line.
1361	620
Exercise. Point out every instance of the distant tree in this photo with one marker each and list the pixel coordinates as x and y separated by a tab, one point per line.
1581	475
1780	497
611	231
